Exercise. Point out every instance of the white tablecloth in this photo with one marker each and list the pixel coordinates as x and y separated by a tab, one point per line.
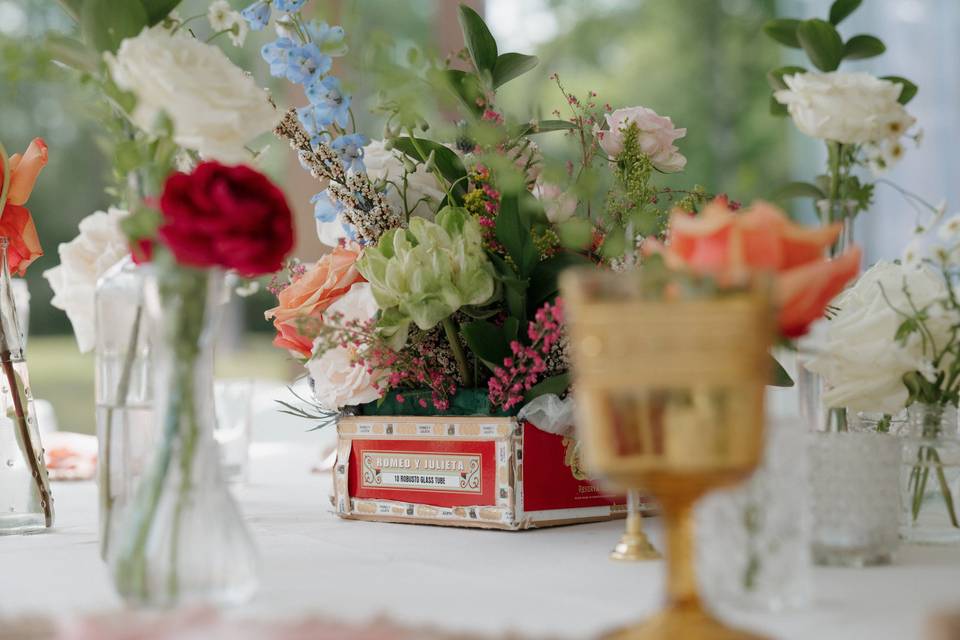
552	582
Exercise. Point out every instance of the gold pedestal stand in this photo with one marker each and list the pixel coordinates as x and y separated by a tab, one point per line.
634	545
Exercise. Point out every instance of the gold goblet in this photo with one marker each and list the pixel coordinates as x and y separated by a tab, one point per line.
670	398
634	545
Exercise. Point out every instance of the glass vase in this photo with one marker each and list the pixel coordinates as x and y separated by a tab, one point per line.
183	540
854	487
26	504
754	542
124	391
930	476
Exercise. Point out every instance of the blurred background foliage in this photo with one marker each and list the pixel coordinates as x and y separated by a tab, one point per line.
702	62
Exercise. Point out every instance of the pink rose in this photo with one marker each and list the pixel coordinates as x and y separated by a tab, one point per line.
657	134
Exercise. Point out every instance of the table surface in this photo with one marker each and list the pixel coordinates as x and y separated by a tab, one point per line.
543	583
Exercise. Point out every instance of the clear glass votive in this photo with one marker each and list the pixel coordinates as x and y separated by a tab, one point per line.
854	481
234	402
754	540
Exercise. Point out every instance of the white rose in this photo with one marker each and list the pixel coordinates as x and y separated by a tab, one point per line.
851	108
422	185
337	381
100	245
657	134
559	205
861	363
215	107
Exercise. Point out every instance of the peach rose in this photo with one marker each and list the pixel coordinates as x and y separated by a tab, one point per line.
310	295
15	220
729	245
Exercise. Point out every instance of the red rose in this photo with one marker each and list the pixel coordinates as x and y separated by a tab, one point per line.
231	217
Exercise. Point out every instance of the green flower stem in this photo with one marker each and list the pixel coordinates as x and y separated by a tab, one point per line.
453	338
185	288
120	402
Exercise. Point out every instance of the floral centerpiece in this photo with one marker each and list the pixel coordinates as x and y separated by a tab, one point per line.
861	118
439	295
892	343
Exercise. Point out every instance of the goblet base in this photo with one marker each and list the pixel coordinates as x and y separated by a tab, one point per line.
634	548
677	622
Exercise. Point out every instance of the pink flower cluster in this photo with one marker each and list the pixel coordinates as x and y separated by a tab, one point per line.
521	371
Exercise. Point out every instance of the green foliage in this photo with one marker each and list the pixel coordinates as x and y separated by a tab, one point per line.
863	46
554	384
447	162
822	43
513	232
487	341
908	89
799	190
840	9
510	66
480	42
784	31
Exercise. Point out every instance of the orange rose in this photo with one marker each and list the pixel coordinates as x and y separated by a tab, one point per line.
15	220
729	245
311	294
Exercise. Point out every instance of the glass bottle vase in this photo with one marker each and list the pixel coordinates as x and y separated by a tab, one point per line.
26	504
124	391
183	541
930	476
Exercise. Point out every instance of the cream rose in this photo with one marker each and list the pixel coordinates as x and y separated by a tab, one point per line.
100	245
422	187
338	382
861	363
215	107
851	108
657	134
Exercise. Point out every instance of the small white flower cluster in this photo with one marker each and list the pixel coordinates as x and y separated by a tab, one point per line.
944	250
223	19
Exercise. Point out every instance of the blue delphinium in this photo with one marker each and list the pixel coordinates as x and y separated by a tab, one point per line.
329	102
325	208
350	149
277	55
289	6
257	15
331	40
306	64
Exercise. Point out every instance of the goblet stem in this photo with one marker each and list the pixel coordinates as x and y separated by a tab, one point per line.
681	575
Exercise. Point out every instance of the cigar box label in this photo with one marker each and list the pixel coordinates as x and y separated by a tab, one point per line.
422	471
441	473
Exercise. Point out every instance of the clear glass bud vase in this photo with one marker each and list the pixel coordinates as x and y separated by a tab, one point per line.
183	541
26	504
124	391
930	476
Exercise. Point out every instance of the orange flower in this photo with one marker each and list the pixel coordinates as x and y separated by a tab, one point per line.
15	220
311	294
729	245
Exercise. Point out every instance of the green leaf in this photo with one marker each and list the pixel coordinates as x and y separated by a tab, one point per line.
780	376
840	9
70	52
784	31
511	328
775	77
467	88
614	244
545	126
510	66
863	46
513	232
487	341
555	384
575	233
448	162
543	280
157	10
778	109
908	89
480	42
105	23
823	44
799	190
